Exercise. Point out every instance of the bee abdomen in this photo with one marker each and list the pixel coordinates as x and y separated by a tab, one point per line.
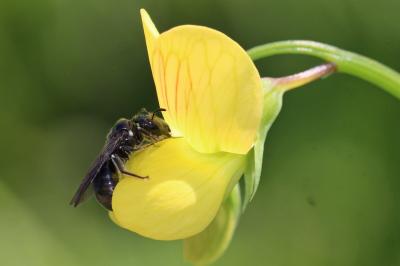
104	185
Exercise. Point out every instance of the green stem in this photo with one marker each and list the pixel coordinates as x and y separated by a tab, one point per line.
299	79
346	62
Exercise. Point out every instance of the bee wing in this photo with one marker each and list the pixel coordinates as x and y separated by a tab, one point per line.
81	192
108	149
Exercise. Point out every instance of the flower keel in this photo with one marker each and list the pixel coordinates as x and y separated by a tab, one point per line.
183	193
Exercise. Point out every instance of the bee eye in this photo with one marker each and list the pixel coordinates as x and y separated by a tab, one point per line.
150	125
147	124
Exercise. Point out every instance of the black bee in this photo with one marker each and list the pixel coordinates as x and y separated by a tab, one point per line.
126	136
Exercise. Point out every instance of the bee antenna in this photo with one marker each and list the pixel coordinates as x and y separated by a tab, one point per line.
159	110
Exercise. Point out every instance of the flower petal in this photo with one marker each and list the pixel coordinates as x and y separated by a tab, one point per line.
183	193
150	31
207	246
209	86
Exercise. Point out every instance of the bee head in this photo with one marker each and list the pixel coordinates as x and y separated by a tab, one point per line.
151	123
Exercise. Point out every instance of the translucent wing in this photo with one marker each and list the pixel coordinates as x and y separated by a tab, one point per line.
110	146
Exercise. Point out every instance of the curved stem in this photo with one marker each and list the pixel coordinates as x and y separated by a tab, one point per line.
346	62
296	80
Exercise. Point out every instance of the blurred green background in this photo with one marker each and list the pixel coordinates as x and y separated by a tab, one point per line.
69	69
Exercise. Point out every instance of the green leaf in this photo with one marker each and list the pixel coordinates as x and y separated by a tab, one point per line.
272	106
209	245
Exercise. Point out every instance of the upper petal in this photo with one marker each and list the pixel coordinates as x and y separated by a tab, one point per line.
150	30
209	86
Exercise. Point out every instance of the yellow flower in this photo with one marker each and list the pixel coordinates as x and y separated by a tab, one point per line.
213	95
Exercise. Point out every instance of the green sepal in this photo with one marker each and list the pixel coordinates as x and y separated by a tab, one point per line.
207	246
272	106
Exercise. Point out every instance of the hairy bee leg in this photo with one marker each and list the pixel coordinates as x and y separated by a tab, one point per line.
148	135
143	146
120	166
153	140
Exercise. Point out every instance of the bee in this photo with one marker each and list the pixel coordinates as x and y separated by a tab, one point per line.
125	137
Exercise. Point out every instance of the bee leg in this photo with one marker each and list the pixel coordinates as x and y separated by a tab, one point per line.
120	166
148	135
143	146
153	140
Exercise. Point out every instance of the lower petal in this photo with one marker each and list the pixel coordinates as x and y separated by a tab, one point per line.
183	193
210	244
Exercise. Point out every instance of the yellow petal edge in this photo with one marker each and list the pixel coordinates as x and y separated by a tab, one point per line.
208	84
182	195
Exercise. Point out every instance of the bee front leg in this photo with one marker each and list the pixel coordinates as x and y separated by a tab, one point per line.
119	164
